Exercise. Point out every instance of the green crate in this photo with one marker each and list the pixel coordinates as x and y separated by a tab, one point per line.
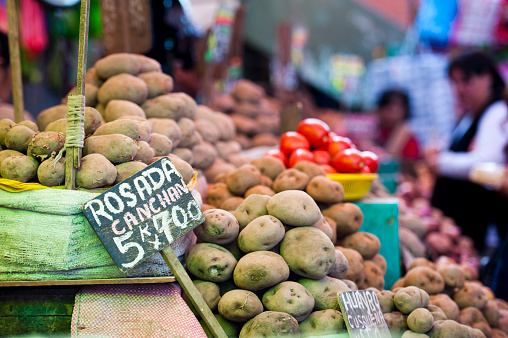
381	218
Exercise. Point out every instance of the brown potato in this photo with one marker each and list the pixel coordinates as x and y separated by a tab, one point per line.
411	242
396	321
115	64
51	114
333	226
260	269
290	179
30	124
219	167
261	234
380	261
185	154
269	166
145	153
127	169
374	276
5	126
425	278
118	108
188	129
210	132
322	225
128	128
265	140
325	291
347	216
164	106
210	293
116	148
422	261
96	171
210	262
248	91
341	266
420	320
470	295
294	208
240	305
251	208
474	318
385	298
325	190
161	144
51	173
190	106
245	124
243	178
8	153
365	243
437	313
18	138
217	194
270	324
291	298
355	260
168	128
453	275
311	169
90	94
19	168
45	144
226	149
157	82
445	303
204	155
231	203
260	190
220	227
147	64
123	87
410	298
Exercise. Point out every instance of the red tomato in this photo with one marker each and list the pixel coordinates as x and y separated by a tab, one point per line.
300	155
348	161
371	161
321	156
366	170
291	141
328	169
314	130
337	143
277	154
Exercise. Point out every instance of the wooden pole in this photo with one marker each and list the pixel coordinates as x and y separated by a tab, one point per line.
197	300
17	82
73	155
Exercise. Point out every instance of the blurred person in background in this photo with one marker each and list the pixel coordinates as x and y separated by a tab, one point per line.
480	136
394	134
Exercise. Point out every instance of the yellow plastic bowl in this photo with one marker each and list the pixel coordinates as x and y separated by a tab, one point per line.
356	186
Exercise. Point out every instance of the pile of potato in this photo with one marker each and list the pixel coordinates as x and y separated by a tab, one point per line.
256	116
131	120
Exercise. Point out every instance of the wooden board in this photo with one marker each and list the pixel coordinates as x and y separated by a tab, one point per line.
139	280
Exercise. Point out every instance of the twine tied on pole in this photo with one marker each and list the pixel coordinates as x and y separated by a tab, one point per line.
75	134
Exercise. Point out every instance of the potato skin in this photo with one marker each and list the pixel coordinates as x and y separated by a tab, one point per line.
396	321
347	216
243	178
425	278
374	277
51	174
325	291
290	179
96	171
19	168
210	262
145	153
355	272
328	321
208	290
217	194
385	298
270	324
123	87
453	275
445	303
325	190
239	305
420	320
160	144
251	208
365	243
117	148
158	83
5	126
470	295
116	109
269	166
127	169
409	298
262	234
311	169
220	227
18	138
45	144
294	208
260	269
115	64
125	127
291	298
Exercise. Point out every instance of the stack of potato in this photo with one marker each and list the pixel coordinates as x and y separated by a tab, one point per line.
131	120
255	115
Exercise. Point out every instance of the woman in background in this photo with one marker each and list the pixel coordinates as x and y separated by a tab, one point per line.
480	136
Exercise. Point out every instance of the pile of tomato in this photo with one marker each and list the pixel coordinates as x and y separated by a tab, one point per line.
313	141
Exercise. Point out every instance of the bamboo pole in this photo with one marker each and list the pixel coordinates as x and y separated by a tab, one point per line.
17	82
73	154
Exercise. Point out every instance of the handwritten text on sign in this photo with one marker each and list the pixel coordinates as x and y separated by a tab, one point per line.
143	214
363	315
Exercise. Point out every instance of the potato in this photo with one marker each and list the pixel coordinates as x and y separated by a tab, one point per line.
365	243
8	153
220	227
396	322
308	252
374	277
116	148
262	234
380	261
420	320
341	266
226	149
231	203
290	179
210	132
251	208
190	106
100	108
128	128
264	140
347	216
45	144
412	334
185	154
350	284
147	64
158	83
226	126
5	126
385	298
422	261
425	278
145	153
243	178
491	311
324	322
30	124
127	169
96	171
496	333
259	190
325	190
204	155
325	291
470	295
118	108
51	114
248	91
208	290
244	141
161	144
411	242
355	260
245	124
413	223
260	269
51	173
269	166
294	208
231	329
93	120
19	168
244	108
410	298
291	298
217	194
164	106
449	328
437	313
241	159
18	138
474	318
93	78
90	94
123	87
453	275
311	169
333	226
445	303
322	225
240	305
115	64
270	324
210	262
183	168
168	128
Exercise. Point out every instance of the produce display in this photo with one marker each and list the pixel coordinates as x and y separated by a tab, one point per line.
131	119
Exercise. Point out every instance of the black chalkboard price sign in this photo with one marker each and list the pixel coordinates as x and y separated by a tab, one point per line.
362	314
143	215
